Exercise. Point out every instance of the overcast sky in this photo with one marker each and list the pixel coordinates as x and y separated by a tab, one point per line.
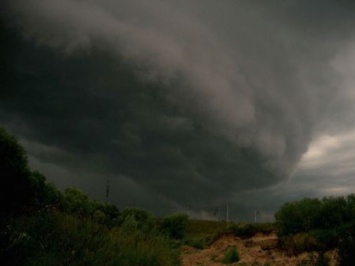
184	105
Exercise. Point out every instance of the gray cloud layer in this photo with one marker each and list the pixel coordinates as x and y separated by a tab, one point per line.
176	99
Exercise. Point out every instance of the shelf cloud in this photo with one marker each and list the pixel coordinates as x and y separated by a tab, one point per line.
175	101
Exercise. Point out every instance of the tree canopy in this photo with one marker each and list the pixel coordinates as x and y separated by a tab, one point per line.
15	188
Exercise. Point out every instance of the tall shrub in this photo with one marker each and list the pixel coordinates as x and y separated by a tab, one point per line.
174	226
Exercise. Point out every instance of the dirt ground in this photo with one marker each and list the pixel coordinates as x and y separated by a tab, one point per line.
258	250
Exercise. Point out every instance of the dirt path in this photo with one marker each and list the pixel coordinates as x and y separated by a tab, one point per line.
257	250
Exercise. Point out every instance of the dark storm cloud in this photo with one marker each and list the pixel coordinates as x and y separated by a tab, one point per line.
174	99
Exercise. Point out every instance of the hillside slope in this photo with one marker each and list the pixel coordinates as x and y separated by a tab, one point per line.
261	249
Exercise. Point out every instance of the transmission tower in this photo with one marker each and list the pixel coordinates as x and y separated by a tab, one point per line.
107	190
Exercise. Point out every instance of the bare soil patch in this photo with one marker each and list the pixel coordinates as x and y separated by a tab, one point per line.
260	249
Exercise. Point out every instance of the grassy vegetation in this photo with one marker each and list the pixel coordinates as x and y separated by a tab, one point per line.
44	226
200	233
319	225
57	238
231	255
250	229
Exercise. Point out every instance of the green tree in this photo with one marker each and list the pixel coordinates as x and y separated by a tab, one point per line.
174	226
15	188
138	219
77	202
298	216
45	194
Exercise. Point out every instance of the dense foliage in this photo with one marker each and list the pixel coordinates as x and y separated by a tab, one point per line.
174	226
41	225
57	238
319	224
314	214
202	233
250	229
15	187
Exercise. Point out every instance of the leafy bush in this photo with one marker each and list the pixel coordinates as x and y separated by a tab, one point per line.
174	226
296	217
314	214
324	224
137	219
45	194
298	243
250	229
231	255
198	242
76	202
318	240
141	248
56	238
202	233
111	214
326	239
69	228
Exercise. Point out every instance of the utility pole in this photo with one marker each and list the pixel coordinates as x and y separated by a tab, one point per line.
256	216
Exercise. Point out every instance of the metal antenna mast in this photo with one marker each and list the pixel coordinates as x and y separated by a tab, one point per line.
256	216
107	190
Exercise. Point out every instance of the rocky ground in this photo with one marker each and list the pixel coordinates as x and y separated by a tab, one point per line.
257	250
